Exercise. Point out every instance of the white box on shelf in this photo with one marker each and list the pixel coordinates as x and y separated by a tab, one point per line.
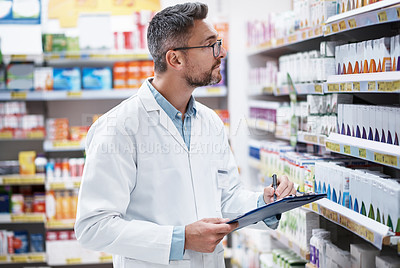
363	255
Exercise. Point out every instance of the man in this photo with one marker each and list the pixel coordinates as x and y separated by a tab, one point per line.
159	173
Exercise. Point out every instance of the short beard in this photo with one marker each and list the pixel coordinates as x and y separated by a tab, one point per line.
205	79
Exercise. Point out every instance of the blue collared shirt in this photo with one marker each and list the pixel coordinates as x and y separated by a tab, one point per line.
184	128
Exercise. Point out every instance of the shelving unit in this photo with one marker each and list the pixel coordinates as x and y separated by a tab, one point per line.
370	22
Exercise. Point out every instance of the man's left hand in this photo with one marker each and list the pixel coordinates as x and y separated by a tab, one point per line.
285	187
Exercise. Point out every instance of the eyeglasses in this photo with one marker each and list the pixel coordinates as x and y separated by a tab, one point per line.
216	48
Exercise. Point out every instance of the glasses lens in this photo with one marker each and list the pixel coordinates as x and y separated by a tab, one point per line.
217	48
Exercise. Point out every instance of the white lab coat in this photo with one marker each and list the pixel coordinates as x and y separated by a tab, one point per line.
140	180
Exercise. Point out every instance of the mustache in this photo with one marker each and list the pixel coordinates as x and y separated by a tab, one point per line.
218	62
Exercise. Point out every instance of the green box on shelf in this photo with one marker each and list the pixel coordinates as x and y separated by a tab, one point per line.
59	43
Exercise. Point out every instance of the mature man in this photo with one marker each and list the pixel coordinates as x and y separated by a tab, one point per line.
159	173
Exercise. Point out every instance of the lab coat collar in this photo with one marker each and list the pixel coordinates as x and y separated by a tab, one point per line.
150	104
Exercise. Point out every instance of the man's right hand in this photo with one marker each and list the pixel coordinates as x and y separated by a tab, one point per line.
204	235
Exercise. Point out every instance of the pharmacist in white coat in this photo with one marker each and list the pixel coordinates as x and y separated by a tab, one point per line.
159	173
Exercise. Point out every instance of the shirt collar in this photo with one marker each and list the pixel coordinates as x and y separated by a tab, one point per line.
171	111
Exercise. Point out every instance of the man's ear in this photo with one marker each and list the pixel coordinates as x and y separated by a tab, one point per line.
174	59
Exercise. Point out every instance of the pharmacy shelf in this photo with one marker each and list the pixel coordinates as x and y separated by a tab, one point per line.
386	82
378	152
210	91
16	179
64	183
289	243
93	56
373	14
38	257
279	46
256	90
301	89
372	231
63	146
64	95
60	224
6	218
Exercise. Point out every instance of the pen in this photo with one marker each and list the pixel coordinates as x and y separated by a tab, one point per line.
274	182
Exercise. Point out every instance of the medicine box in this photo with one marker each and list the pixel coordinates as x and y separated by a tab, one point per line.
67	79
97	78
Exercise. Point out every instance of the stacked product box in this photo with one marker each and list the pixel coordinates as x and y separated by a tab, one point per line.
264	76
263	114
15	123
20	76
58	129
132	74
370	122
97	78
379	55
19	242
67	79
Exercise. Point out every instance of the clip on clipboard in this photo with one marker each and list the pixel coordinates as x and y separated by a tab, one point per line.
275	208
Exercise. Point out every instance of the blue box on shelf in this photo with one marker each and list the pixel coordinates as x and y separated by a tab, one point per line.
97	78
67	79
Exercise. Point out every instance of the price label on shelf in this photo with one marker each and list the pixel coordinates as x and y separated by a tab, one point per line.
65	144
57	186
3	258
372	86
6	135
280	41
39	217
327	30
74	94
73	260
356	86
311	138
386	159
333	146
346	149
214	90
19	258
106	258
342	25
333	87
314	207
318	30
18	95
310	33
398	16
396	85
382	16
35	134
382	86
292	38
335	28
362	153
37	258
342	86
352	23
303	35
318	88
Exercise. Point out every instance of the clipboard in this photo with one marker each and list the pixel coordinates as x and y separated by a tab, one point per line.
275	208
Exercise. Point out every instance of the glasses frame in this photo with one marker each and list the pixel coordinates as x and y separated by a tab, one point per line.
219	43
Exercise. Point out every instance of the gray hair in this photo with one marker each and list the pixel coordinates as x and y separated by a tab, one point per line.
170	28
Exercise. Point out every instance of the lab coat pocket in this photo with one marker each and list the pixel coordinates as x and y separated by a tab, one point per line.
133	263
221	183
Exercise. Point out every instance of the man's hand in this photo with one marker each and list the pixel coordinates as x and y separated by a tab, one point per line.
285	188
204	235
